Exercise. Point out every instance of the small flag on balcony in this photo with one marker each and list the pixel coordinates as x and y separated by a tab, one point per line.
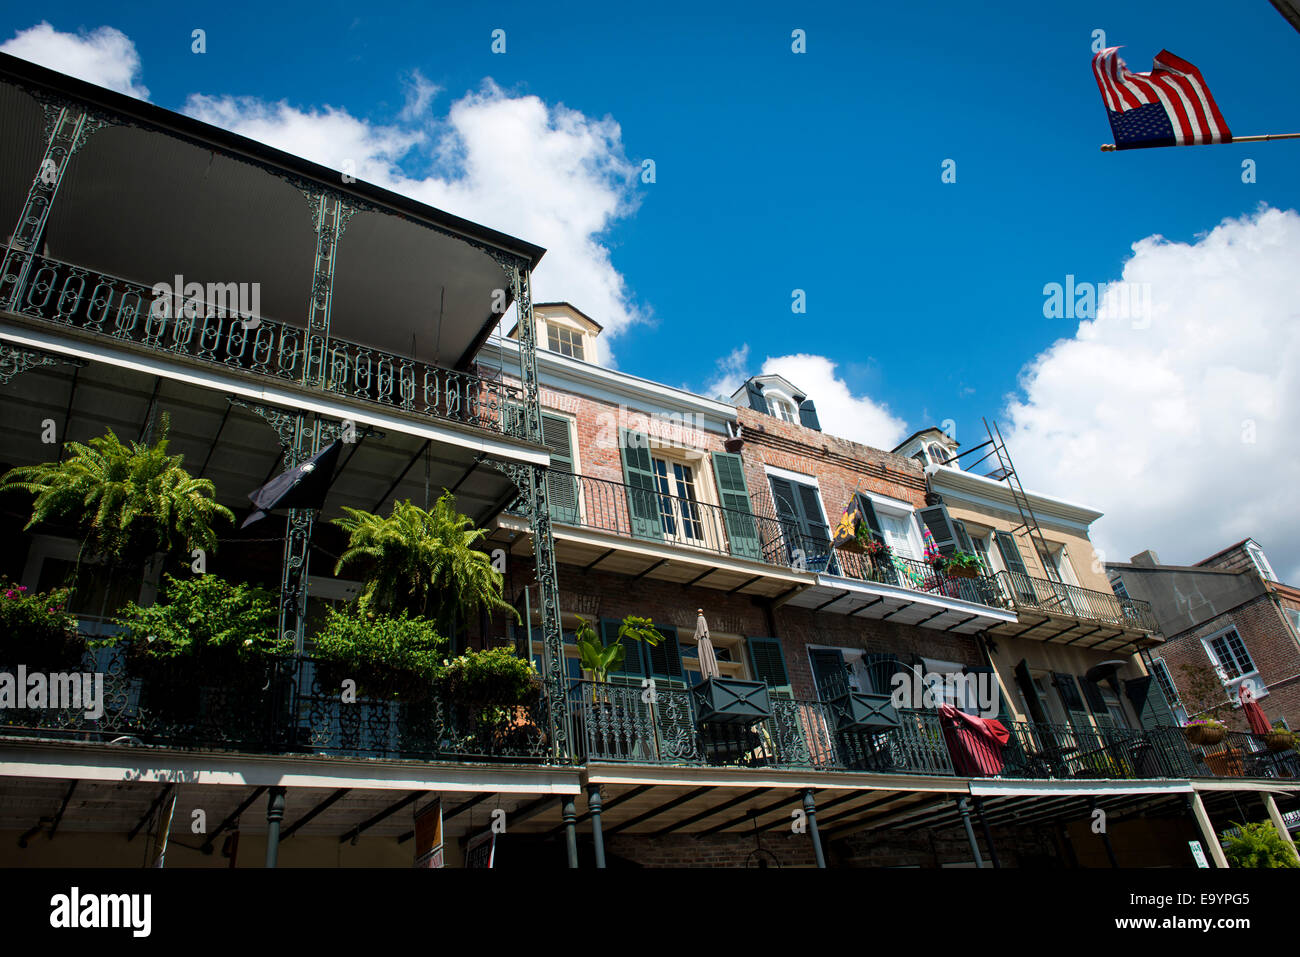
846	532
1170	106
303	486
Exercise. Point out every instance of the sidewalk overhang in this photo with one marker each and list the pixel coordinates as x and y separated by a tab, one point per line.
903	606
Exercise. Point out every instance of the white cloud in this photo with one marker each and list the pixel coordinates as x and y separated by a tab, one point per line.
840	412
547	174
105	57
1151	422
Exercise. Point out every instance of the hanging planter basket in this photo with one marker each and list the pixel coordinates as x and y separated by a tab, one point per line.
1280	740
1205	735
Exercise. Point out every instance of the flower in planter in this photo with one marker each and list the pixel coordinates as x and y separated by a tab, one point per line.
35	631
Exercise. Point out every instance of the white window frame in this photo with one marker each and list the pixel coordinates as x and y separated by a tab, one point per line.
897	508
1232	685
1261	562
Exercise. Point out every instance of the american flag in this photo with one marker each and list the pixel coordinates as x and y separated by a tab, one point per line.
1170	106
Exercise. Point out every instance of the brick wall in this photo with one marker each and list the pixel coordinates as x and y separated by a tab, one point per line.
1271	646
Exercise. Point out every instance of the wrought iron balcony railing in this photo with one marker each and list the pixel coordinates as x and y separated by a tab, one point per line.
213	333
1039	594
286	706
919	576
620	723
656	516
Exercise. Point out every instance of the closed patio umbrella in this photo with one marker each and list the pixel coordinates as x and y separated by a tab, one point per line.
1254	713
708	660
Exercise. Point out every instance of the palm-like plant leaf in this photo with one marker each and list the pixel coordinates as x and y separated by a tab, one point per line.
126	500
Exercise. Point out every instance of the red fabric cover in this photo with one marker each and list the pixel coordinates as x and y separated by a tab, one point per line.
974	743
1255	715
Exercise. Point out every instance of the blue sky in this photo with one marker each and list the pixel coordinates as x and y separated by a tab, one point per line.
820	171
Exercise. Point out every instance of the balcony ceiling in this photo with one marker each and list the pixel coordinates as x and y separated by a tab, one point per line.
147	205
231	445
1035	625
900	606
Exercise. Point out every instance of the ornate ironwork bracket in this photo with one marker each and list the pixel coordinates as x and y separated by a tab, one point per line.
301	436
15	360
531	482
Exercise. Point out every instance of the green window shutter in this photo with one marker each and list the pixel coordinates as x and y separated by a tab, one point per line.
829	672
1068	689
936	519
733	493
963	537
1010	553
642	492
561	484
665	658
818	533
869	516
768	663
1149	702
632	663
1037	712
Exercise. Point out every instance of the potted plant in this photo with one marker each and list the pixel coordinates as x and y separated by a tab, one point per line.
205	651
491	696
422	562
1258	845
36	631
386	656
1281	738
599	721
1205	732
127	502
963	565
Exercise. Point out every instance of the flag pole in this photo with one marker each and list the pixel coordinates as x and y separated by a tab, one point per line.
1111	147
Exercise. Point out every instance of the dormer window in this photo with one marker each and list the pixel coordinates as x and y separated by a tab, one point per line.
564	340
938	455
1261	563
783	409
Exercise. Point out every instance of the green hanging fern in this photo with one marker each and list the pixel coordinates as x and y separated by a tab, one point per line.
127	501
422	562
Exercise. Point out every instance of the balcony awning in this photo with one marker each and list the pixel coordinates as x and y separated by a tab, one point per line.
1087	633
155	194
904	606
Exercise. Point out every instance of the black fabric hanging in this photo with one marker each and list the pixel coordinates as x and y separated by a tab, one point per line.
303	486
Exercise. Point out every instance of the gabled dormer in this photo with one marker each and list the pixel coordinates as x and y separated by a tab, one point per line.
778	397
564	329
930	447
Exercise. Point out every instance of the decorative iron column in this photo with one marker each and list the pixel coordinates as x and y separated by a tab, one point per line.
274	815
67	126
531	482
963	805
569	814
331	215
810	813
597	835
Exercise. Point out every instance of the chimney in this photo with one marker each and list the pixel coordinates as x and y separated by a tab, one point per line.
1148	558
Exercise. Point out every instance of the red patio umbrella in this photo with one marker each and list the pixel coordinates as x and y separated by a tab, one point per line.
1254	713
974	743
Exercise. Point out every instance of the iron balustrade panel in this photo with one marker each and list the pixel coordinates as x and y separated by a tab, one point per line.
584	501
1241	754
918	576
617	722
278	706
413	720
1026	591
214	333
916	746
165	703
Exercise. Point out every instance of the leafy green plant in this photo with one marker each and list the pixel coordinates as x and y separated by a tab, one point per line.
601	660
964	560
1258	845
1202	692
203	617
127	501
36	630
380	652
422	562
496	676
